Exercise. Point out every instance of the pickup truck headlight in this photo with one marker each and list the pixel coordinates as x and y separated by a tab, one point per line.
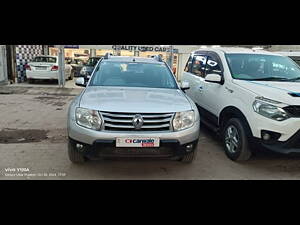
88	118
183	120
270	111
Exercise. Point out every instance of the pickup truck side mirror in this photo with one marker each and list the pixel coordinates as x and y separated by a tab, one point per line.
214	78
80	82
185	85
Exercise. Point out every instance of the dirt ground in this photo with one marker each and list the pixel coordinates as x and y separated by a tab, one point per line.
33	145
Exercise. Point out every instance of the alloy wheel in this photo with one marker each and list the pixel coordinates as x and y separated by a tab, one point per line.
232	139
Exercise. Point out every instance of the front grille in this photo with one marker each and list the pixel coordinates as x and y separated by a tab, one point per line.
123	121
293	110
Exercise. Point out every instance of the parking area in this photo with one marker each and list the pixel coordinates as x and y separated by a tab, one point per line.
46	84
33	145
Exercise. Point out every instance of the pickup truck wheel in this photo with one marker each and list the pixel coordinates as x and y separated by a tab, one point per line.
235	140
74	155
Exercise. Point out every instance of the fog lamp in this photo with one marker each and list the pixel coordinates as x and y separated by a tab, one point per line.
189	147
79	146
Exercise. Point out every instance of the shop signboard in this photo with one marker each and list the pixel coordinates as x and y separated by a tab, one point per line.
143	48
72	46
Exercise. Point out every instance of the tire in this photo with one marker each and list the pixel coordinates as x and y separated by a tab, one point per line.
74	155
236	141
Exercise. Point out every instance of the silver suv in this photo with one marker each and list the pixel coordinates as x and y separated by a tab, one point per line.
132	107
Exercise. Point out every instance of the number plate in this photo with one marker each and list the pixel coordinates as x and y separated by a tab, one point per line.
137	142
41	68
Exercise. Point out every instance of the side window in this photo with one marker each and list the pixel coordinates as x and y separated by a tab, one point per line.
188	65
199	64
213	66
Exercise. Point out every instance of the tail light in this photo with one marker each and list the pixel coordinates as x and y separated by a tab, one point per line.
27	67
54	68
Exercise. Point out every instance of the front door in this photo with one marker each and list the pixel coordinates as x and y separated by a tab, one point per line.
214	92
194	74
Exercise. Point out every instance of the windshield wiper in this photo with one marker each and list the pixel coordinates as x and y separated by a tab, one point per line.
294	79
272	79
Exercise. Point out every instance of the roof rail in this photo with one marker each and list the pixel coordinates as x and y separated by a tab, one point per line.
107	54
157	58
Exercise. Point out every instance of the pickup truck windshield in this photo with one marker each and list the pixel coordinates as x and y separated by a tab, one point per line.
263	67
127	74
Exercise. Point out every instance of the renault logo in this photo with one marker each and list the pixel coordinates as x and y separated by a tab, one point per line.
137	121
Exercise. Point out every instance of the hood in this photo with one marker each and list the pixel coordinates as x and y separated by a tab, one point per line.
136	100
285	92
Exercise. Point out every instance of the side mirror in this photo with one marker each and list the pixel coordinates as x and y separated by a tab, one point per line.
214	78
80	82
185	85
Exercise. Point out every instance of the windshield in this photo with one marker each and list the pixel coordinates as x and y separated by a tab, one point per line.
262	67
44	59
133	75
92	61
296	59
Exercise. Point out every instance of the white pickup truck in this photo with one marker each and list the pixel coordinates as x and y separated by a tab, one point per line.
248	96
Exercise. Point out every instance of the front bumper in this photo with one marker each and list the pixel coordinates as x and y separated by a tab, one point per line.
107	148
89	136
292	145
286	128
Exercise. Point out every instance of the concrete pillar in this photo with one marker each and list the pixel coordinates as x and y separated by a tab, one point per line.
182	60
3	65
61	66
93	52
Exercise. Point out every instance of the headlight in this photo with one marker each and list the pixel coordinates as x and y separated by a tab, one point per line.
270	111
183	120
88	118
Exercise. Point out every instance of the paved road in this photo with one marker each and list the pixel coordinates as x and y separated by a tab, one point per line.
35	115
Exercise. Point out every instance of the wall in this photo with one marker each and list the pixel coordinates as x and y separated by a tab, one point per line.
24	54
284	48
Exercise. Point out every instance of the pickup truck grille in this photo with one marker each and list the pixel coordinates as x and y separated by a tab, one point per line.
123	121
293	110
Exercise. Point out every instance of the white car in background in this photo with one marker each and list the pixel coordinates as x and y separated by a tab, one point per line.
46	68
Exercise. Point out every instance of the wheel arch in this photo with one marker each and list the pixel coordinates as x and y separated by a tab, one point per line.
233	112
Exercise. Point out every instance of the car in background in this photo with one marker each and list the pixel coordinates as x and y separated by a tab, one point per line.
132	107
77	65
88	68
45	68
